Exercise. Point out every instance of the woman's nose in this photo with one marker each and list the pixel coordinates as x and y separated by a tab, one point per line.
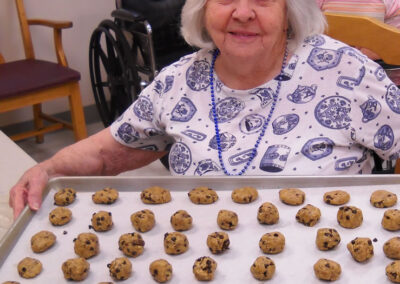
243	11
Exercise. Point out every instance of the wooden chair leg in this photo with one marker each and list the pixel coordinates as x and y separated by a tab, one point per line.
397	167
77	116
38	122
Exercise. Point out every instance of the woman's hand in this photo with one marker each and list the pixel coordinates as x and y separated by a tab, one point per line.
28	189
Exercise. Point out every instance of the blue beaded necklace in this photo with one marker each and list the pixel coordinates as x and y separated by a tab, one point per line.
265	125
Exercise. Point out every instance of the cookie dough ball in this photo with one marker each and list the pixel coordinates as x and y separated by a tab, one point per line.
160	270
292	196
76	269
86	245
327	270
181	221
393	271
349	217
268	214
106	195
308	215
327	239
203	195
218	242
272	243
155	195
131	244
60	216
244	195
143	221
42	241
336	197
391	220
263	268
102	221
383	199
204	268
227	220
361	249
64	196
392	248
120	268
175	243
29	267
11	282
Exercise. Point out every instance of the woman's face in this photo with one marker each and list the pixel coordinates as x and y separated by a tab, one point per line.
246	28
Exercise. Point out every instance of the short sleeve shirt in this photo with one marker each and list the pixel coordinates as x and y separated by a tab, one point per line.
333	107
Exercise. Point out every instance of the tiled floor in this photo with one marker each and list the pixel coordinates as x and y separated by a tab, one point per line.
55	141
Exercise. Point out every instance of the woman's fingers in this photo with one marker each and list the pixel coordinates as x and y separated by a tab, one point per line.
18	199
36	187
28	190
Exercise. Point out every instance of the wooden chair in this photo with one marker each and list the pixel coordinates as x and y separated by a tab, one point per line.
373	34
31	82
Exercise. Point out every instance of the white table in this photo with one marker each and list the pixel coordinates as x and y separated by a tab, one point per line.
13	163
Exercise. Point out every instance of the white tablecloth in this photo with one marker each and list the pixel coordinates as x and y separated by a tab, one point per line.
13	163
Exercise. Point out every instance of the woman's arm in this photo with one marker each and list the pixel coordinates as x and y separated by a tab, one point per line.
99	154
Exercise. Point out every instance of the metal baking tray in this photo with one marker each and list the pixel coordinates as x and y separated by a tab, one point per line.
293	265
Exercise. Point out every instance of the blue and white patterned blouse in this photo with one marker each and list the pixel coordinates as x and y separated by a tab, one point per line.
334	107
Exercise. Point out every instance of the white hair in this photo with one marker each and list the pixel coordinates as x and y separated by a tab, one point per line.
304	16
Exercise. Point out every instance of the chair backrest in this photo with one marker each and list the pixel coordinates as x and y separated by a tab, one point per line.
26	35
366	32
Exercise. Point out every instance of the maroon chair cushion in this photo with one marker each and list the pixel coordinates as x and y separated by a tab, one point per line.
22	76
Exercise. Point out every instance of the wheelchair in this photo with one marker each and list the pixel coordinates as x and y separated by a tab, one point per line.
126	53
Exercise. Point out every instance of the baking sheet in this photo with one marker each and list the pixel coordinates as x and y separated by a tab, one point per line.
293	265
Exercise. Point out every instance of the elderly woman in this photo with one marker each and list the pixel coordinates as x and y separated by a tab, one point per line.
266	94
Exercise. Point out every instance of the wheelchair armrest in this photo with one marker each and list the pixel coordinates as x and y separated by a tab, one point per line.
126	15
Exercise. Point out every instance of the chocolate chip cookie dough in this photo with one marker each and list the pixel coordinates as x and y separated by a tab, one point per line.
227	220
292	196
76	269
175	243
106	195
263	268
204	268
29	267
336	197
391	220
203	195
361	249
131	244
393	271
86	245
60	216
327	270
327	239
349	217
244	195
102	221
160	270
155	195
268	214
64	196
120	268
308	215
181	221
218	242
143	220
272	243
42	241
383	199
391	248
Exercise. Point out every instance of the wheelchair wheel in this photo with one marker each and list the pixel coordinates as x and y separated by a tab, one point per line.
114	77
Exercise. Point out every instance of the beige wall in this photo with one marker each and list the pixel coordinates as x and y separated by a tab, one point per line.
85	15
